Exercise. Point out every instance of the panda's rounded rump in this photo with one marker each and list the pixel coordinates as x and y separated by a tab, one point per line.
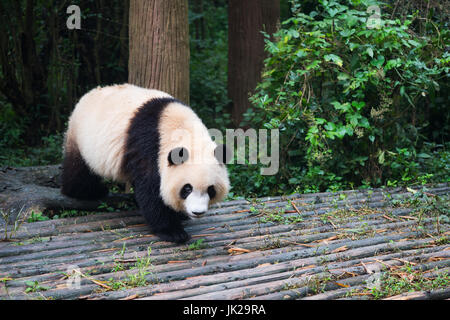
99	124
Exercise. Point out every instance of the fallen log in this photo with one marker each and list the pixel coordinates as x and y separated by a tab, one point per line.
37	189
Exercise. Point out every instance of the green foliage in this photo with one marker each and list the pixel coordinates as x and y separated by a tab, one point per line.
37	216
351	100
46	67
208	64
48	152
11	126
34	286
198	245
136	276
355	106
407	279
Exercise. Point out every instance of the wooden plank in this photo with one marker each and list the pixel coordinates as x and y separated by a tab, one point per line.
276	261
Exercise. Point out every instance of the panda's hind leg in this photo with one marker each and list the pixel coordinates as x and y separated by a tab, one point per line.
78	181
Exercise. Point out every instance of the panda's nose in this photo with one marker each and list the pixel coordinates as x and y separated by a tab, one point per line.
198	213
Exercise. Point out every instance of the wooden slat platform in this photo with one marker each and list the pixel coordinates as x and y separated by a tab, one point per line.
324	246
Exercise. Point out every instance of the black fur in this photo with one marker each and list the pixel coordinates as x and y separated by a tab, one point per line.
185	191
211	192
141	166
78	181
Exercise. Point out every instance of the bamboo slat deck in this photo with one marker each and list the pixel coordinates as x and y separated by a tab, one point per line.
324	246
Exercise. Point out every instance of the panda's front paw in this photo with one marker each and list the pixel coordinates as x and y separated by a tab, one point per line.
177	235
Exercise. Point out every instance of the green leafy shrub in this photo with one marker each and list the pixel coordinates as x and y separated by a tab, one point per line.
208	63
18	155
11	126
351	95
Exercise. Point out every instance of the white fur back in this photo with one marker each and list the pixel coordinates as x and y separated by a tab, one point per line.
99	122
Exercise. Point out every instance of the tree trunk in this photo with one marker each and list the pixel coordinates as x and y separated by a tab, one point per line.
246	20
159	46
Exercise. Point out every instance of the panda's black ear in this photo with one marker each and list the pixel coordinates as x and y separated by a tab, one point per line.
178	156
222	154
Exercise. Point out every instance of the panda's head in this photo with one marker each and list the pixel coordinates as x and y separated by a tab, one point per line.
191	185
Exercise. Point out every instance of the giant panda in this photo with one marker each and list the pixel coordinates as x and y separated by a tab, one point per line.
154	142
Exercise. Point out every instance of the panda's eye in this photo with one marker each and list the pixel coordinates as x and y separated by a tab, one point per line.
185	191
211	192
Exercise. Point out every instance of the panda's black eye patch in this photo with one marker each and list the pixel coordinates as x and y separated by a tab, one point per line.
211	192
185	191
178	156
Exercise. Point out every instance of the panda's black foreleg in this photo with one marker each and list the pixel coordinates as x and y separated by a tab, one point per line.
162	220
170	229
78	181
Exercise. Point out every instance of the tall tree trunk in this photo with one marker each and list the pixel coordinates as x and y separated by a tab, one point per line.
159	46
246	20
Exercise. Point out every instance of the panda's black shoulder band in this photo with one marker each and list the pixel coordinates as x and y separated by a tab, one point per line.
143	139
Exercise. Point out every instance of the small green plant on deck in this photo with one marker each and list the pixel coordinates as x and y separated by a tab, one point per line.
105	207
136	276
37	216
279	215
197	245
10	230
426	205
34	286
406	279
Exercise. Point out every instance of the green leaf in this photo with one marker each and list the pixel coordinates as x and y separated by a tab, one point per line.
343	76
301	53
334	58
393	63
353	118
313	129
358	105
364	122
353	46
381	157
330	126
349	130
341	106
414	43
341	131
378	63
347	33
313	65
424	156
320	120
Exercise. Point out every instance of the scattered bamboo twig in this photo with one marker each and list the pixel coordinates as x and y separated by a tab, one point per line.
97	282
388	218
405	261
295	207
408	217
238	250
